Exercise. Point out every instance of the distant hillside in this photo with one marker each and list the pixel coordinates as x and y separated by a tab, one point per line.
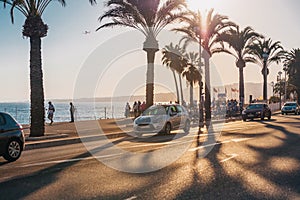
254	89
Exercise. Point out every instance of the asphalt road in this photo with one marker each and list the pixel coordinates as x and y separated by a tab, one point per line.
242	160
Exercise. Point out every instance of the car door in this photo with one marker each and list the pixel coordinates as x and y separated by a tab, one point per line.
174	116
181	115
3	137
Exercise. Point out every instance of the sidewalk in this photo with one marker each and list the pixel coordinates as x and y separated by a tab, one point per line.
62	133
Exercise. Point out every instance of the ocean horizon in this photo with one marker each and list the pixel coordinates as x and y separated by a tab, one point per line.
84	110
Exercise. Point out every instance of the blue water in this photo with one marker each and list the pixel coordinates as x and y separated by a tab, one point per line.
84	111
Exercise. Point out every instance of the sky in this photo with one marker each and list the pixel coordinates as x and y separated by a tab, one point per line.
110	62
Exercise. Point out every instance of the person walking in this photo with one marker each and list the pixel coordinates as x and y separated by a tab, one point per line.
135	109
72	111
127	110
51	111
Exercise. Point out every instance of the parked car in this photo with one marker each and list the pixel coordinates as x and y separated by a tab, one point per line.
12	141
256	110
290	107
162	118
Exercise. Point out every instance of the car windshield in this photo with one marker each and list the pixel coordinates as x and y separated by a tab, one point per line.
290	104
254	106
156	110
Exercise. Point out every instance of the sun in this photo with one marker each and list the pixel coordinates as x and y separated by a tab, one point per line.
203	5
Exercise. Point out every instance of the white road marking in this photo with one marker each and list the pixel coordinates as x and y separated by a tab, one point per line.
131	198
232	156
69	160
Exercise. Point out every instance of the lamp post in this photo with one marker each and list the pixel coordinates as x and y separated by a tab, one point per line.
197	30
285	69
279	78
272	85
265	72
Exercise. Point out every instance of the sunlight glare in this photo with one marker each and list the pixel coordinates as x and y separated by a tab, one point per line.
203	5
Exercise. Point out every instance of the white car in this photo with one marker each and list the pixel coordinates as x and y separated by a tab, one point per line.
290	107
162	118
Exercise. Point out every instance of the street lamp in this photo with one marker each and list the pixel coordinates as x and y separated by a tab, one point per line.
272	85
279	78
285	69
265	72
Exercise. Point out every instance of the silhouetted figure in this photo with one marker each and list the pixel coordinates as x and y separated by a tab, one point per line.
51	111
72	111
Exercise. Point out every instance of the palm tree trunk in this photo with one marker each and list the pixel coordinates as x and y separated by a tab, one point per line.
265	77
37	110
181	90
241	84
191	95
176	85
207	101
150	77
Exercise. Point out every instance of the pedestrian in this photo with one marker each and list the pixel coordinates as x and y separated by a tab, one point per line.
139	108
135	109
127	110
51	111
143	106
72	111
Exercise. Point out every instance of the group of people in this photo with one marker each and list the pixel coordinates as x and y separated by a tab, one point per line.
233	107
51	110
138	107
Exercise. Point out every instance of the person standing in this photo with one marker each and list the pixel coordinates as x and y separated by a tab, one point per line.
51	111
127	110
135	109
72	111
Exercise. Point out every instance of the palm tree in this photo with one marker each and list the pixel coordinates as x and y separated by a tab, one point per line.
266	52
206	34
238	41
35	29
173	58
191	73
292	62
148	17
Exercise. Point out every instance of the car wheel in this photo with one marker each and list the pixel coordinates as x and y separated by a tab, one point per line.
187	126
269	117
282	113
262	117
168	128
244	119
13	150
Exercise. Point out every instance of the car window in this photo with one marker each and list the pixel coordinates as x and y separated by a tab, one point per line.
290	104
255	106
2	120
156	110
179	109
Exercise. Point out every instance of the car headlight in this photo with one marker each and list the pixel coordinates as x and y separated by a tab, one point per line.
258	113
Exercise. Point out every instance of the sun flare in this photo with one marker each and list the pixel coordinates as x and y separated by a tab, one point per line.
202	5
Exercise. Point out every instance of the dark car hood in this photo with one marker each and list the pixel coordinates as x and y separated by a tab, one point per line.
253	110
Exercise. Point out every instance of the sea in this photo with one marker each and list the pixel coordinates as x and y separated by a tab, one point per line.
84	111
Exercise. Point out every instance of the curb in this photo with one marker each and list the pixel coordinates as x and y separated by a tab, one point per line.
38	143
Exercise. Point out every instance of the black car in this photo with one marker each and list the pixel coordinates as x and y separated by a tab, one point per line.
11	137
256	110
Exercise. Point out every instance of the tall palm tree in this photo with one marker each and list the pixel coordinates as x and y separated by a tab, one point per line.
173	58
238	41
34	29
292	62
191	73
204	32
266	52
148	17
